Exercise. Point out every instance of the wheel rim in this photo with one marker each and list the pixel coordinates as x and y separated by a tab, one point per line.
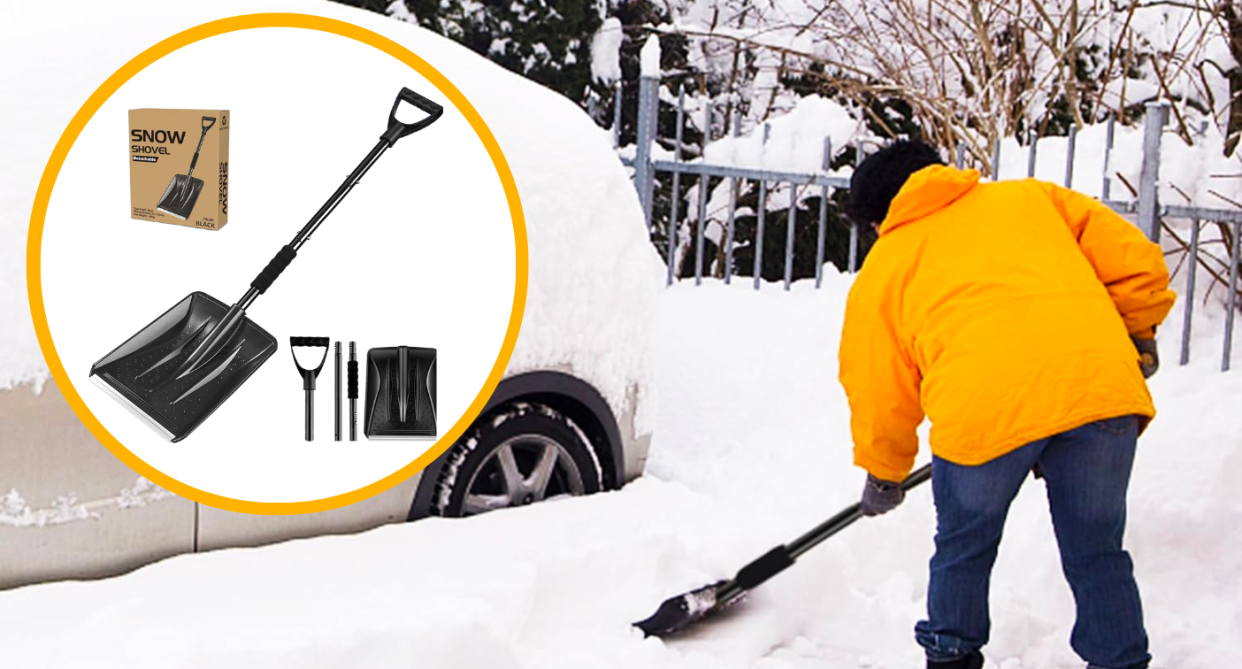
522	470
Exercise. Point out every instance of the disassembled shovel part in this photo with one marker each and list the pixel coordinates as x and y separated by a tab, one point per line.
353	391
309	376
401	393
336	402
182	193
179	369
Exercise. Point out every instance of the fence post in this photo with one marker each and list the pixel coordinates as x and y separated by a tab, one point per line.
644	175
996	158
704	182
735	129
1071	146
852	264
1032	150
1155	116
1234	260
1106	187
822	233
616	115
1189	298
675	198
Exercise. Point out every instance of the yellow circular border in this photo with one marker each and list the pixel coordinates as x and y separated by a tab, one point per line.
110	86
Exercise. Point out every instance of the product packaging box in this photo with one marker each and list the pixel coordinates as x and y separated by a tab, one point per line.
179	166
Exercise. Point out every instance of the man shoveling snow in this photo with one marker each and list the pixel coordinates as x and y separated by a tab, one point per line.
1019	317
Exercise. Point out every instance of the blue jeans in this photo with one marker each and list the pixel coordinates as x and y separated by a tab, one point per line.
1087	472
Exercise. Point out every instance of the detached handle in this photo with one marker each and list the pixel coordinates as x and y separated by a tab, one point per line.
397	129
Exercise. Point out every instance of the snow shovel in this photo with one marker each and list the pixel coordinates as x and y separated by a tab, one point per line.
682	611
182	366
179	198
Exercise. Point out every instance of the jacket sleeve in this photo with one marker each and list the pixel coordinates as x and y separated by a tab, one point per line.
882	384
1131	267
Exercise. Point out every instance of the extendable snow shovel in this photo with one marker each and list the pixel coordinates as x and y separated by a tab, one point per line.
179	198
180	368
678	613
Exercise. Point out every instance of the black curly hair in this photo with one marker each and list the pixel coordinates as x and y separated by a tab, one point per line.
878	179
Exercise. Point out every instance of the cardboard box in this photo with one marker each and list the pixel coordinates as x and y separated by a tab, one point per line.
179	166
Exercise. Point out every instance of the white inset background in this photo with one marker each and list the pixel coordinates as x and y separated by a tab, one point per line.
421	253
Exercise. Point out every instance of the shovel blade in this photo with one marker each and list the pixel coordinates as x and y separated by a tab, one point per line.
179	198
139	372
682	611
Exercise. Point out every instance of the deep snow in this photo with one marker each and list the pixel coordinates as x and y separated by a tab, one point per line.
751	449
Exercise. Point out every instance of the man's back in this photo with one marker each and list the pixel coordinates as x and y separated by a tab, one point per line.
993	299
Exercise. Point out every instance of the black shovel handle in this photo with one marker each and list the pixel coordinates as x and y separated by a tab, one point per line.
397	129
208	121
782	557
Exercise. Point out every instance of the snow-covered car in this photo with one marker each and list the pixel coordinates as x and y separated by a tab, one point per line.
570	417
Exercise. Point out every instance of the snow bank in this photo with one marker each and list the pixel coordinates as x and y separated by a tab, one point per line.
752	448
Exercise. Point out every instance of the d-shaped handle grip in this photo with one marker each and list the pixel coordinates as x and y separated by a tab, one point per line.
208	121
397	129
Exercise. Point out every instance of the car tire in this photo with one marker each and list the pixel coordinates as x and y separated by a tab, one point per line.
518	454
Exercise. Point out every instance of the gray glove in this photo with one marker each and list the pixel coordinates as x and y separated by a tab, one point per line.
1149	357
880	496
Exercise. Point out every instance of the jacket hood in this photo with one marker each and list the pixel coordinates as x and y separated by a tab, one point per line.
928	191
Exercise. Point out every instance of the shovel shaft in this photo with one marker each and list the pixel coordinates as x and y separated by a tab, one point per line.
782	557
352	180
847	517
310	414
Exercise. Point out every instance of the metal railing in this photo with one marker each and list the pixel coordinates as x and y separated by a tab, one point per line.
1146	208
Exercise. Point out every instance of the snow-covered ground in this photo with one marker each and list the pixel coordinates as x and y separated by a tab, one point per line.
751	449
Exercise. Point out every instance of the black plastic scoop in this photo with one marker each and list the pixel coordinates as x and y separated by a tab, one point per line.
401	393
182	366
682	611
182	192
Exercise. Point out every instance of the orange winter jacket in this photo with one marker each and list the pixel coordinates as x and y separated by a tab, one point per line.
1002	312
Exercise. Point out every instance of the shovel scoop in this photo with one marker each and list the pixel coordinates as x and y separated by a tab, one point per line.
175	372
182	193
149	374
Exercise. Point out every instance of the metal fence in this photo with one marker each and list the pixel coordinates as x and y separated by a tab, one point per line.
1146	209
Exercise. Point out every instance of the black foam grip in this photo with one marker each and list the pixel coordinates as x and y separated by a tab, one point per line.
764	567
353	379
193	162
308	341
278	264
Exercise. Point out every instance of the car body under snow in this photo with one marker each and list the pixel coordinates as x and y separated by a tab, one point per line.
569	417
